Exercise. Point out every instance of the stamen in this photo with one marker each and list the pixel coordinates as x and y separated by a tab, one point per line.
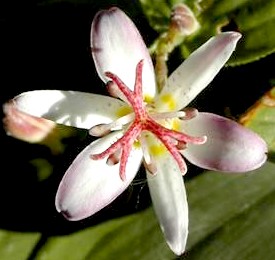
114	158
151	167
103	129
100	130
124	120
189	113
181	145
114	91
167	115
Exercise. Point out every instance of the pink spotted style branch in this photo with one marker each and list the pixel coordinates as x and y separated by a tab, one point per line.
142	122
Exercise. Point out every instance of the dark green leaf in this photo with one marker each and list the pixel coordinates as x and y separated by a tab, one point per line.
218	200
255	19
248	235
261	119
16	245
228	213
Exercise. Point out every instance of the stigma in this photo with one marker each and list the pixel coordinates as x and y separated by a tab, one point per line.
143	122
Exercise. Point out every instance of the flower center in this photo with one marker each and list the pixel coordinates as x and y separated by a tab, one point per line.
139	122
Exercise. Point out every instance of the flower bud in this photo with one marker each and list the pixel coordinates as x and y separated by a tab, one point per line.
183	20
24	126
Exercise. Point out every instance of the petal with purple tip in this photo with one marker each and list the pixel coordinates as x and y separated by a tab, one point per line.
195	73
170	203
230	147
117	47
90	185
72	108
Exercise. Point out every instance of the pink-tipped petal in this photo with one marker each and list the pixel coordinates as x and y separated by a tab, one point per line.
230	147
170	203
195	73
90	185
72	108
117	47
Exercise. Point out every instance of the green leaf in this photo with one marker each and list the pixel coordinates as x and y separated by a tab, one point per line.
16	245
228	215
124	238
159	20
248	235
255	19
261	119
219	201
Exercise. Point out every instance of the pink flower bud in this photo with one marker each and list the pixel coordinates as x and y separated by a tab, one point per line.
184	20
24	126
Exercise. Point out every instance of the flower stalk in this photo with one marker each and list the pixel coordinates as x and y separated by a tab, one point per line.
182	24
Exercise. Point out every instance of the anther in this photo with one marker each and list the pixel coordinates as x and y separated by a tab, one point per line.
151	167
181	145
189	113
168	115
114	91
114	158
104	129
100	130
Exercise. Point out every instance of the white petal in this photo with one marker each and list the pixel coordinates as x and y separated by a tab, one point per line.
194	74
230	147
89	185
170	203
70	108
117	47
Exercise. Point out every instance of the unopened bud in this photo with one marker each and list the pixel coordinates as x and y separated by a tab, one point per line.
184	20
24	126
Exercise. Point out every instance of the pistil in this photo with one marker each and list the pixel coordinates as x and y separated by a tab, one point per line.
139	121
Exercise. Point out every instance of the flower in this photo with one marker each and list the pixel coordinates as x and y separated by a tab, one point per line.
141	124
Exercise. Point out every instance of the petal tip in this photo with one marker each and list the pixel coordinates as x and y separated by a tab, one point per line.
66	213
234	35
260	154
243	150
177	248
228	40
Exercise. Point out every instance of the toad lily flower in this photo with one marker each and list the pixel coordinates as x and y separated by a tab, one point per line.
140	124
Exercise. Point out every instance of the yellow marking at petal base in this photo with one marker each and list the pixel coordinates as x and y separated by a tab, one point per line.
136	144
148	99
157	149
169	101
123	111
176	124
173	124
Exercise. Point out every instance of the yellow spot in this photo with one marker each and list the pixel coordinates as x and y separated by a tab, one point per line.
175	124
169	101
157	149
148	99
136	144
123	111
